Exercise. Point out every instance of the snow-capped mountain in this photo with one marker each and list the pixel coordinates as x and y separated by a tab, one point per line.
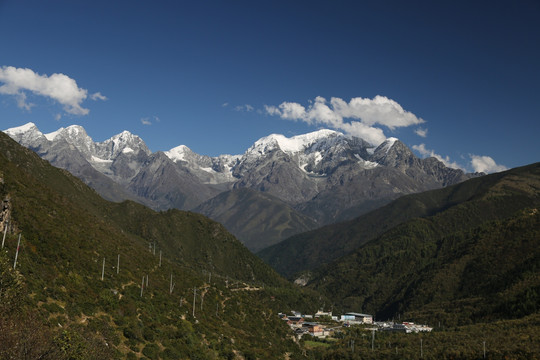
211	170
309	151
325	174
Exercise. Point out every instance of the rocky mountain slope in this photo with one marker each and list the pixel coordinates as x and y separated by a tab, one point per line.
259	218
323	176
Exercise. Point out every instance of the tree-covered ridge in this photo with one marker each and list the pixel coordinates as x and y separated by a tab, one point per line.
313	249
72	296
476	260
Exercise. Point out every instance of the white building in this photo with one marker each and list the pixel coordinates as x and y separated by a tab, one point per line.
357	318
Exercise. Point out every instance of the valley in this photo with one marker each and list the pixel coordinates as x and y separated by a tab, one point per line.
119	280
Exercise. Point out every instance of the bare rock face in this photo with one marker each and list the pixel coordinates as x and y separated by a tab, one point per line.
324	176
169	185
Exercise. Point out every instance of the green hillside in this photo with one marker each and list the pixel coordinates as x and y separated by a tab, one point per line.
314	249
56	304
477	259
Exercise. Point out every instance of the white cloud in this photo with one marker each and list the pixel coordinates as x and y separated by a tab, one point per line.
98	96
59	87
57	117
246	108
423	151
421	132
379	110
149	120
365	114
485	164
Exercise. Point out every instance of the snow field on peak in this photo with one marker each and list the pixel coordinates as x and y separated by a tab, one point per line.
388	143
177	153
22	129
293	144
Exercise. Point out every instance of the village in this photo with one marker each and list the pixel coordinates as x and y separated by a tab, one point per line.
324	324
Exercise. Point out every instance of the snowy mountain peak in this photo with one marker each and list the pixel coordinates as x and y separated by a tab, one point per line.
387	144
29	127
384	148
178	153
124	136
124	142
292	145
77	136
25	134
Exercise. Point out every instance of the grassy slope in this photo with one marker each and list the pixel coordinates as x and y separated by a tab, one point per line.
67	230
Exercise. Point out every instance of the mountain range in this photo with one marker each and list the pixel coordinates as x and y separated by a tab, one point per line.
465	257
290	185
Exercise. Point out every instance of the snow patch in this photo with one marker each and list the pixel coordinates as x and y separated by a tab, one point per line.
369	164
100	160
208	169
51	136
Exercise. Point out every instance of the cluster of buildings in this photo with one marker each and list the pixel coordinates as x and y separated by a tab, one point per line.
308	324
406	327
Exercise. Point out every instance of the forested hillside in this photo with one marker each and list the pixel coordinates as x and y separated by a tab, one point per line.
311	250
472	261
96	279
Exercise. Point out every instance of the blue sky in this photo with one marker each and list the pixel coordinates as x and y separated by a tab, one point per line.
455	79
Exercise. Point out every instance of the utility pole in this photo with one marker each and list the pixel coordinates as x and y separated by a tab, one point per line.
118	265
17	253
159	258
194	294
142	285
171	286
103	269
484	349
154	248
5	232
372	339
421	349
